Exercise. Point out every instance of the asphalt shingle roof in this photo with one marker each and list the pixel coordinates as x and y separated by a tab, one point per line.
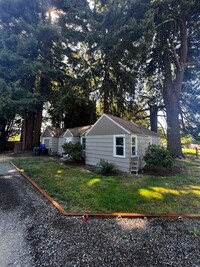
132	127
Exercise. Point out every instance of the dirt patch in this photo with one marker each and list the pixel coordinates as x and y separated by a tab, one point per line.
161	171
89	168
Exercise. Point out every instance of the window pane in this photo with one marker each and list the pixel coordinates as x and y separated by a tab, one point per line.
133	140
119	151
119	141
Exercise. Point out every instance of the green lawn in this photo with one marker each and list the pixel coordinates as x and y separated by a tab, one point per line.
77	189
190	152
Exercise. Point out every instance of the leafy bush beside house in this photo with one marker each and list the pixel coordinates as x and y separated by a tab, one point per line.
105	167
156	155
74	151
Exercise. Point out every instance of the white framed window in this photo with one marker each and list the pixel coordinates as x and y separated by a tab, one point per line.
133	145
119	146
149	140
83	142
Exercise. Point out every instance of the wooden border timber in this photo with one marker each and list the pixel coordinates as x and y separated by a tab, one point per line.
104	215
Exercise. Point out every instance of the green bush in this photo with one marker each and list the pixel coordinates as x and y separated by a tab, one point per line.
104	166
156	155
74	151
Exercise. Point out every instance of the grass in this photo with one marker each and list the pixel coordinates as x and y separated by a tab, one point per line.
190	152
77	189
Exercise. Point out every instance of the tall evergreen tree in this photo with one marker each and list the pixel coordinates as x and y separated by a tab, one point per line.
95	31
176	37
32	44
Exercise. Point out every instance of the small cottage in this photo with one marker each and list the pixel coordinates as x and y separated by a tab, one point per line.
50	138
118	141
73	135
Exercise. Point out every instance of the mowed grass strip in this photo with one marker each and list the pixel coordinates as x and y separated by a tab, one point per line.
77	189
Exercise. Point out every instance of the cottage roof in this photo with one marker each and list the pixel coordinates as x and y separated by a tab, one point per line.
127	126
79	131
132	127
54	131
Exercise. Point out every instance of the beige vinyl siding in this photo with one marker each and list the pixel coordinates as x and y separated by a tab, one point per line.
101	147
106	127
75	139
100	144
46	141
60	144
62	140
156	140
54	146
50	143
143	143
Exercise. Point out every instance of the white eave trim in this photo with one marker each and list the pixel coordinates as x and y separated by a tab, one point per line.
66	133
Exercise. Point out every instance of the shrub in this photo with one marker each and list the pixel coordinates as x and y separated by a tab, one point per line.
104	166
74	151
156	155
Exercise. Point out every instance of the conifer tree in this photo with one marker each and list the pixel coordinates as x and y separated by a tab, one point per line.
31	60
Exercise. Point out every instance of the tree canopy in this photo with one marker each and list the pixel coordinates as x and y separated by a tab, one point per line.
130	58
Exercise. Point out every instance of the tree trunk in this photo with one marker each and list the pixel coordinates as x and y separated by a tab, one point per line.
106	89
28	127
171	93
37	126
173	124
174	64
106	108
154	118
3	135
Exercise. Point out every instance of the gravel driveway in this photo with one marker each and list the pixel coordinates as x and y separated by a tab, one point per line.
33	233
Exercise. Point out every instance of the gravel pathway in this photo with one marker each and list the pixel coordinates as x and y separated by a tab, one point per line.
34	234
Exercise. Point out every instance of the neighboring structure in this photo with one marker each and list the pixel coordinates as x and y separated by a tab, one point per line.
50	138
73	135
118	141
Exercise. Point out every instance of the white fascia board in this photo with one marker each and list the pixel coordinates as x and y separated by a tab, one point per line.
67	132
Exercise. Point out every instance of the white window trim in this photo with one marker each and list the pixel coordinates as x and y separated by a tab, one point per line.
114	146
136	145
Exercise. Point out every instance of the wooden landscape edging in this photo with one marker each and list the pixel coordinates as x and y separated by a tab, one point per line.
104	215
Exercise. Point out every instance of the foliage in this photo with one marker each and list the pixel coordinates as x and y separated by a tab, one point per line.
190	105
73	150
156	155
105	167
194	232
186	140
121	54
174	52
29	62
